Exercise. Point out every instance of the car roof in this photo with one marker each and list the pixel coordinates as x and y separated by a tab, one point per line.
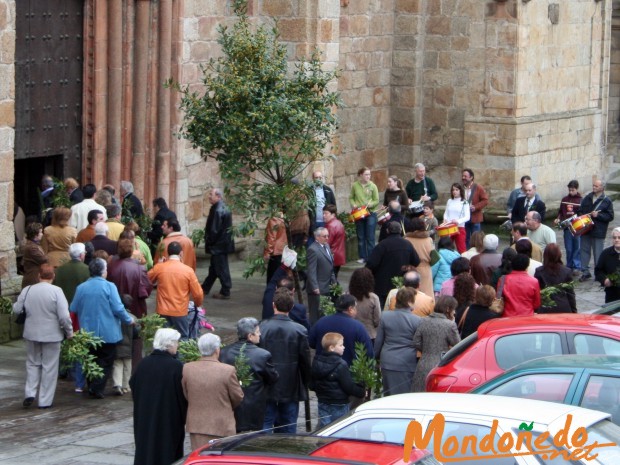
602	362
493	406
308	448
564	320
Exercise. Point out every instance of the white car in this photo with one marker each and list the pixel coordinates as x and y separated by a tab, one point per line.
518	431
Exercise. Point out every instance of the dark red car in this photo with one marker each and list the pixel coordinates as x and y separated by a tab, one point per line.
502	343
278	449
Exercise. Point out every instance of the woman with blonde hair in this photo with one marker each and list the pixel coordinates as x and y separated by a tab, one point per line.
424	247
435	335
58	237
73	190
477	246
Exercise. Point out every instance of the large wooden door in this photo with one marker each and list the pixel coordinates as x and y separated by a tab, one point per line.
48	91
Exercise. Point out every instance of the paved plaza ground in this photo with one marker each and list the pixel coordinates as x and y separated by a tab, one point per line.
80	430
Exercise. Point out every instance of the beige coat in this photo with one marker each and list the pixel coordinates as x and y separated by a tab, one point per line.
212	392
55	243
423	246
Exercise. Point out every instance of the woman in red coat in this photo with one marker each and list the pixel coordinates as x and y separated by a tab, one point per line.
337	236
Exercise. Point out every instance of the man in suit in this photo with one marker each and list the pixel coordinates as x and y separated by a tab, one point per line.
101	240
320	271
212	391
529	202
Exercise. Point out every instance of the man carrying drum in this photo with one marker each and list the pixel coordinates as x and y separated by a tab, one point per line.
600	209
572	243
420	189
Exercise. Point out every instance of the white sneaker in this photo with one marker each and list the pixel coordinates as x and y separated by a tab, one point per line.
361	261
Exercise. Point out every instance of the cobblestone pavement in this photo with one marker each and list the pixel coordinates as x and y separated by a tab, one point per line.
79	430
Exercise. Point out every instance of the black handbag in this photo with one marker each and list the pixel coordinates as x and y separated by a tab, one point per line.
21	318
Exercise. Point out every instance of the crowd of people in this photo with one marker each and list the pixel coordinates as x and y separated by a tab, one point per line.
425	284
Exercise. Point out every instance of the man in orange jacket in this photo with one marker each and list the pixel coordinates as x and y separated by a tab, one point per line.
175	282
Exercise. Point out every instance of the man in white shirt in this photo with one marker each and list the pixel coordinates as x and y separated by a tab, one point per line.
79	211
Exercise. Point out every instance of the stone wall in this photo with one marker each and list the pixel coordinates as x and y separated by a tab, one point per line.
543	112
7	136
613	115
366	58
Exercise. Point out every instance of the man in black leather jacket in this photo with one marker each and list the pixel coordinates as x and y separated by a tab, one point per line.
250	414
288	343
219	243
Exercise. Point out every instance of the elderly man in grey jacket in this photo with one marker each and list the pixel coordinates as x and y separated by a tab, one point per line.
47	323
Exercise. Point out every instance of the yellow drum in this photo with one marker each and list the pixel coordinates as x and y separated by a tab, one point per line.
581	225
448	230
358	213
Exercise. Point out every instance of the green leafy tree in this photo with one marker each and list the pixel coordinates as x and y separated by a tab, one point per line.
262	122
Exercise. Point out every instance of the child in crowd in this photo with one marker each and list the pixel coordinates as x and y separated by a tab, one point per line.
429	219
121	371
332	381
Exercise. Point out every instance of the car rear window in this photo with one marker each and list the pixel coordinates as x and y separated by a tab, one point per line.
518	348
459	349
595	345
376	429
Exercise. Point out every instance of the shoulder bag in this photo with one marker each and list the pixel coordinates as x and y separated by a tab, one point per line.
21	318
498	302
462	320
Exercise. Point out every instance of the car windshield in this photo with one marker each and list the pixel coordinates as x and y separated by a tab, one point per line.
375	429
459	349
602	432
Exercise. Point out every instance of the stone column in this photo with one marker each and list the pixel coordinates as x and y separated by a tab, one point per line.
115	91
138	165
9	281
163	99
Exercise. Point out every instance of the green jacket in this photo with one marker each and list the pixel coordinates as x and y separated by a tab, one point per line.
69	276
367	195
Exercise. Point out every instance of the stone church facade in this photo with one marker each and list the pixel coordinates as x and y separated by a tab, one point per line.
505	87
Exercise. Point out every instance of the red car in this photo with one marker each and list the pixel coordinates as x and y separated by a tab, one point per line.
502	343
280	449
